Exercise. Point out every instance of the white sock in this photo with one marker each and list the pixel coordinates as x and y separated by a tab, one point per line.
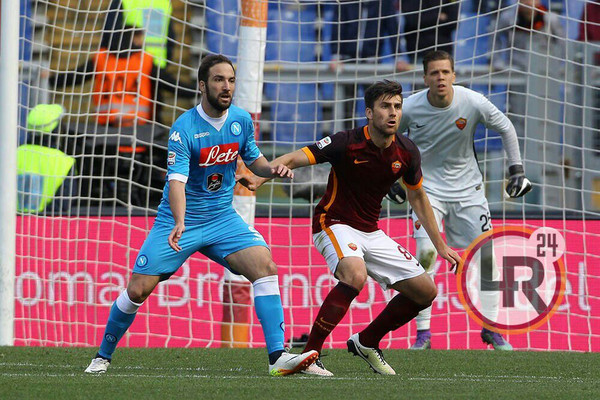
423	319
267	286
427	255
125	304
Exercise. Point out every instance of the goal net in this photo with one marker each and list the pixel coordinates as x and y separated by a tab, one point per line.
302	70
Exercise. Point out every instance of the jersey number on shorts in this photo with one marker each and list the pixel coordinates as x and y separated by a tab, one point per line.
487	222
405	252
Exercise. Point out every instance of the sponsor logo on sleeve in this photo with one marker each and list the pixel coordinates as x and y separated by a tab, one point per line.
461	123
171	158
236	128
175	136
201	135
219	155
214	182
324	142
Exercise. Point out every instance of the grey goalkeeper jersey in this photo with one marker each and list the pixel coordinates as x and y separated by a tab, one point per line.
444	137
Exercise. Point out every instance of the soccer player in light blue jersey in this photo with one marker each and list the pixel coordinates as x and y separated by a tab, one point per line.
196	215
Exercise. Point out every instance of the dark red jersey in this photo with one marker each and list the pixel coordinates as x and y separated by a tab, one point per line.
361	175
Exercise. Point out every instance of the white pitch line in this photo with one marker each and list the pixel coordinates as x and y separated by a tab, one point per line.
492	379
463	378
126	367
558	378
186	376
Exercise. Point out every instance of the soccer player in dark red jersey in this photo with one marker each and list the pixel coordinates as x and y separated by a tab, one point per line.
365	163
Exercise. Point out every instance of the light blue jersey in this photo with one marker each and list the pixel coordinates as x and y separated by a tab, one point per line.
203	152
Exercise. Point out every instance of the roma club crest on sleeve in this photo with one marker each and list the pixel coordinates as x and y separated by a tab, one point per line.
461	123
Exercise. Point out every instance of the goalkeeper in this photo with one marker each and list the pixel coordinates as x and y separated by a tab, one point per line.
196	215
365	162
441	121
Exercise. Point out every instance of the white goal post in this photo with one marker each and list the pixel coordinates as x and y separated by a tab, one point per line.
8	189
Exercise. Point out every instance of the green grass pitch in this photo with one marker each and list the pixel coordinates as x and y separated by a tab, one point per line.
57	373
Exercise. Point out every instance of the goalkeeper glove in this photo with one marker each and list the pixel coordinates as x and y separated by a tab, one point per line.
518	184
396	193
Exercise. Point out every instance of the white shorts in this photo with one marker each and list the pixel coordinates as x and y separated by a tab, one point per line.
463	220
387	262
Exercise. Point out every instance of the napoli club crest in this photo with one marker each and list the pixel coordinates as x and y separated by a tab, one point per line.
110	338
214	182
142	260
236	128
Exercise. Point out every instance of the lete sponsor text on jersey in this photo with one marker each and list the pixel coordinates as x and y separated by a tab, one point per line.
219	154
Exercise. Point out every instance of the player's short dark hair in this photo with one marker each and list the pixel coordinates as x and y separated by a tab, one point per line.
208	62
437	55
381	88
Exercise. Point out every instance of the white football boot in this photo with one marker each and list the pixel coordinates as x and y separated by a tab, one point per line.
98	365
317	368
289	363
374	357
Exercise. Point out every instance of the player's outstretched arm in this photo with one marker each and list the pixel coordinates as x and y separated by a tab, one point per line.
262	168
518	185
281	167
420	203
177	202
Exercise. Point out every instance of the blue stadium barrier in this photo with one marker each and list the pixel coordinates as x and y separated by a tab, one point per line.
25	49
291	38
486	139
472	39
327	26
327	90
498	96
291	32
296	113
25	30
221	20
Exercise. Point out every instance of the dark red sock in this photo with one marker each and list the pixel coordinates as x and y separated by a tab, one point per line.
398	312
332	311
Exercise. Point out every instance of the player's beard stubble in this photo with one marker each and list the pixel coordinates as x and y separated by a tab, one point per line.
383	129
214	101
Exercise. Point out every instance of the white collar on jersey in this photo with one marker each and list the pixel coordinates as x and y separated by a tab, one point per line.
216	123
